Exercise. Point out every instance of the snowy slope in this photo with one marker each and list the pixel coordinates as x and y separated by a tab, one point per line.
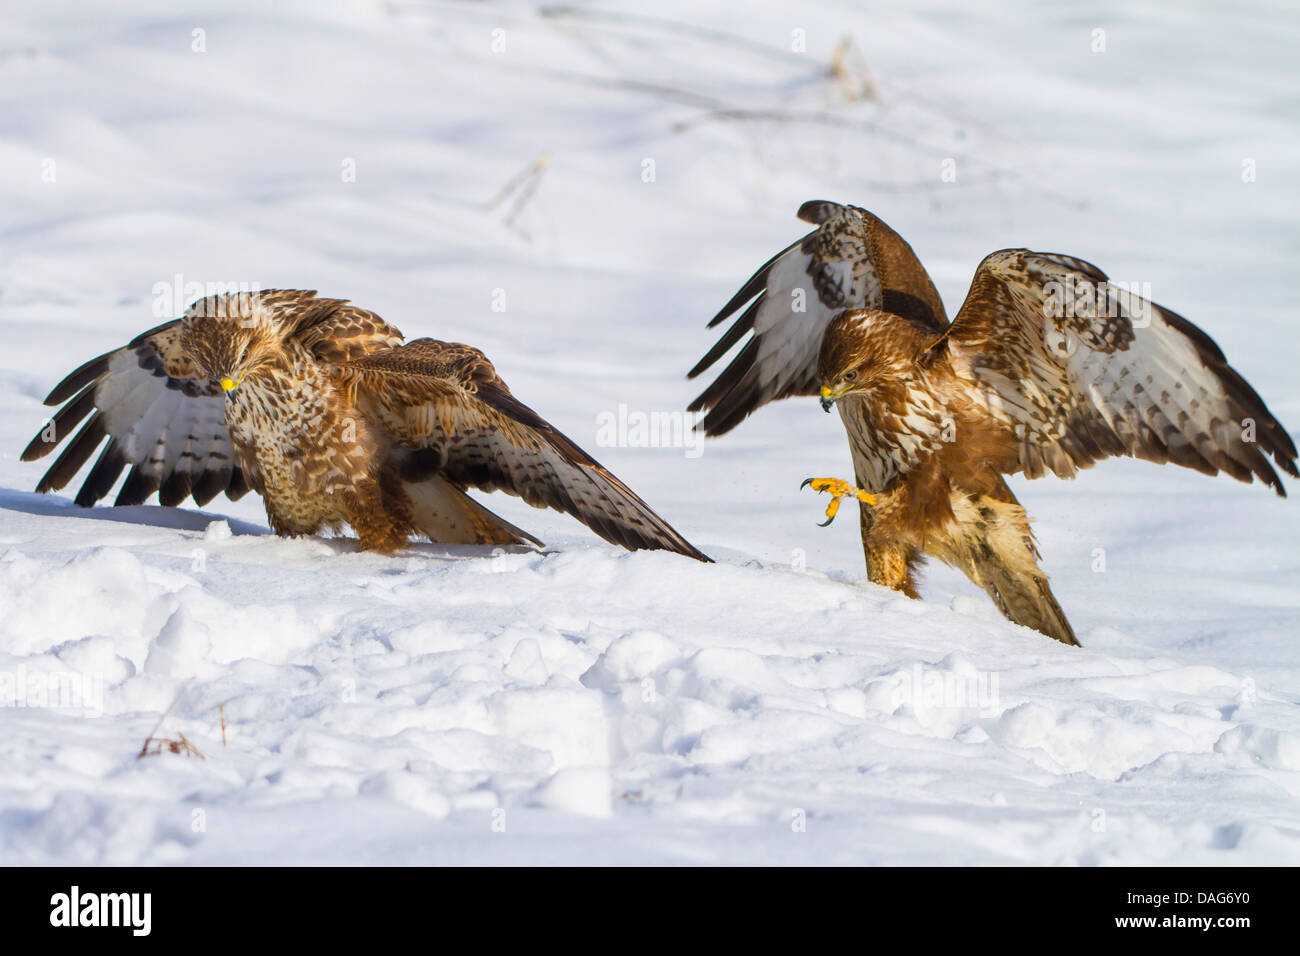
585	705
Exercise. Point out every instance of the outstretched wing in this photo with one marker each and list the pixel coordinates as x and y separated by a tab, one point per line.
163	419
445	402
852	260
1080	370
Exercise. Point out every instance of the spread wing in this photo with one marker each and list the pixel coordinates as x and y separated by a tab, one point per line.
852	260
163	419
445	403
1080	370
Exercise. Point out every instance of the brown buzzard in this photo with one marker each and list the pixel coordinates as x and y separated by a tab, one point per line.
322	409
1047	367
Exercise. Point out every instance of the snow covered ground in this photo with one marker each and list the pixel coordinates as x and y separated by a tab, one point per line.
585	705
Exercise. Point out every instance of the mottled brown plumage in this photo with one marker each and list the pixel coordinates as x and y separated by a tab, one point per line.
321	408
1048	367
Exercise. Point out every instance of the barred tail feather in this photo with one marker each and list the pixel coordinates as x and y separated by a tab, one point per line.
447	515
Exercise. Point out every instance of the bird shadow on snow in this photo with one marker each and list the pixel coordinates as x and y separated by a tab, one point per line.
181	519
157	516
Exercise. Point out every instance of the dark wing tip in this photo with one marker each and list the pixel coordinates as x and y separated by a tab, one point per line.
1288	464
659	535
729	413
662	541
729	338
1272	437
62	423
76	454
77	379
137	488
817	211
697	554
38	447
688	551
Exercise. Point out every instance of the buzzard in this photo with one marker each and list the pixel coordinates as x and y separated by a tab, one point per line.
325	411
1047	367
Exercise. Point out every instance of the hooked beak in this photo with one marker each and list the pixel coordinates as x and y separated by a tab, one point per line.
229	385
828	399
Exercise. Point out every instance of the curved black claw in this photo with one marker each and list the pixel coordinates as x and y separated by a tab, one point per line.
822	524
806	483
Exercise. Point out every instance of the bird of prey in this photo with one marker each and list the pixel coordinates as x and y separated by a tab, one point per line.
1047	367
324	410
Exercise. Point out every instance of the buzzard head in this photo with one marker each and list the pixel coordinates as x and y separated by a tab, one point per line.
864	349
230	336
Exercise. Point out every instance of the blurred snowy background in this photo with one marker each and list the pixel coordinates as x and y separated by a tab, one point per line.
577	189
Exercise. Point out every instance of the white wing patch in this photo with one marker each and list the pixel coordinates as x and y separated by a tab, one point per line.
1105	372
171	433
788	340
792	300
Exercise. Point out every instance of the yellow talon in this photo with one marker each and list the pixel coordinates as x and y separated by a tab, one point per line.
838	491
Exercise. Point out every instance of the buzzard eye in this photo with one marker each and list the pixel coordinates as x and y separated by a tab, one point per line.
850	376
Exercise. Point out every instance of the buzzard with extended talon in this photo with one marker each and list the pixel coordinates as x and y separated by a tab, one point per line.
321	408
1047	367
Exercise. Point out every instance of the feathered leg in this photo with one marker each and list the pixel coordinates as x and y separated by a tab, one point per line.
891	564
993	545
379	512
987	536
